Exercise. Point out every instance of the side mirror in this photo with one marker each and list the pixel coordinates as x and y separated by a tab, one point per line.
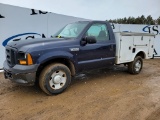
89	40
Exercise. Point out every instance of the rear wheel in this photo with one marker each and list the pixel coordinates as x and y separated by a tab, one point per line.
135	67
54	78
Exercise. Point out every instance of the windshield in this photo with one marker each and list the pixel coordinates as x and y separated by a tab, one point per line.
72	30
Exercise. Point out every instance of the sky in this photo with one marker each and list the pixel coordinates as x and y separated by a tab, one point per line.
93	9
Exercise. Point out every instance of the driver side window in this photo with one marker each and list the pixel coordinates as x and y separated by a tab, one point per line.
99	31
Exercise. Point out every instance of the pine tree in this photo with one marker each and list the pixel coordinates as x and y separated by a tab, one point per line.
139	20
158	21
150	20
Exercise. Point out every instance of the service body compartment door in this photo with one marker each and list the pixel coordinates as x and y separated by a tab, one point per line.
126	45
151	47
141	40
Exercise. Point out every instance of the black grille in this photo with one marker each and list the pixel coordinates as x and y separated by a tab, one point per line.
11	56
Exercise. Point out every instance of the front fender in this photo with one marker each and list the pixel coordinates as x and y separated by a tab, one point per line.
53	55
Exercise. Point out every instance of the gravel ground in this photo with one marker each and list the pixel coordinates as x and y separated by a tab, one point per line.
106	94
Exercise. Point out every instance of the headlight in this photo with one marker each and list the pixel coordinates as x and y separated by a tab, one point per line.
25	58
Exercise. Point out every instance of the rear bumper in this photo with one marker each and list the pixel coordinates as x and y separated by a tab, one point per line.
24	75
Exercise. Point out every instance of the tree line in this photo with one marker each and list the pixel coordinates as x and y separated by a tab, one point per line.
139	20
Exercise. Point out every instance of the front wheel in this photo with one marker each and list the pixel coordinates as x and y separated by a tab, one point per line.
54	78
135	67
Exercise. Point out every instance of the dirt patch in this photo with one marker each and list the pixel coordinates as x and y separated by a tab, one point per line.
106	94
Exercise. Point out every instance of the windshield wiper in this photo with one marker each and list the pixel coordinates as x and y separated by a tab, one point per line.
58	36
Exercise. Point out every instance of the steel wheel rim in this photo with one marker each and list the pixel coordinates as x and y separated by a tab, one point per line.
138	65
57	79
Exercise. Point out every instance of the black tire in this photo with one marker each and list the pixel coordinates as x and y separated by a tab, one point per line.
135	67
54	78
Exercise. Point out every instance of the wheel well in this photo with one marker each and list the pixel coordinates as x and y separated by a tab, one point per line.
142	54
64	61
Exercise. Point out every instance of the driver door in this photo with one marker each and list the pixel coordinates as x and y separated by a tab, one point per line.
99	54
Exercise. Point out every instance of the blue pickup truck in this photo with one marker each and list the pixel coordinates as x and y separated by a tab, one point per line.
77	47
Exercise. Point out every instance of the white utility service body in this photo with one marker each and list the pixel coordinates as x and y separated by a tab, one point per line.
129	44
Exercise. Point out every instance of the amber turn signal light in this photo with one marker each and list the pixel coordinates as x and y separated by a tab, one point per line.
27	61
22	62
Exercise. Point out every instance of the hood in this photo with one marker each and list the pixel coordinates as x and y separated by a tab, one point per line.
43	43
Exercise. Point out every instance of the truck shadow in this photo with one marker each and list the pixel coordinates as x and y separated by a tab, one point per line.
100	73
